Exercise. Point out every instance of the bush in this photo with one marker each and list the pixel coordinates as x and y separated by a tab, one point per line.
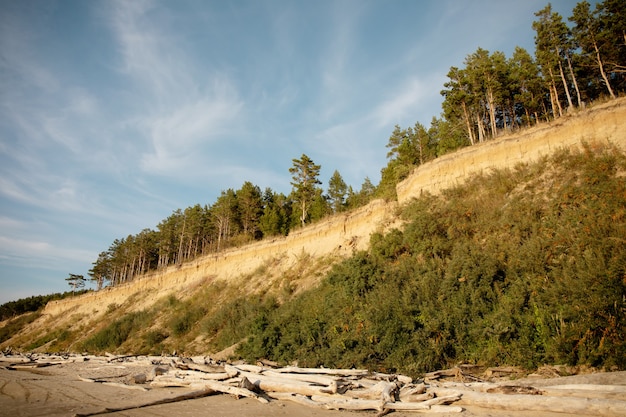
518	267
116	333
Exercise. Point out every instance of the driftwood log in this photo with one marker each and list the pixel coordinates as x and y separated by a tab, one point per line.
343	389
538	403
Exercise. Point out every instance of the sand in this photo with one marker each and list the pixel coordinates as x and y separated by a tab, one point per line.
57	390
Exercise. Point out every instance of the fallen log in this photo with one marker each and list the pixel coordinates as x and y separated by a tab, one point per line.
266	383
381	391
297	398
435	408
342	403
200	367
236	391
323	371
315	379
588	387
391	377
412	392
608	392
188	396
539	403
204	375
432	409
126	386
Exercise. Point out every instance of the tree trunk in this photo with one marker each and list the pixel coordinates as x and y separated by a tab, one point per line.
570	104
468	124
554	96
601	66
571	71
492	112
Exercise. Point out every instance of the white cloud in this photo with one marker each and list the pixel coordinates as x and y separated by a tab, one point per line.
401	104
180	114
177	136
24	252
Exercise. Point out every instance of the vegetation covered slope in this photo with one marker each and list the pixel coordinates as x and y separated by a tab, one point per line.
520	267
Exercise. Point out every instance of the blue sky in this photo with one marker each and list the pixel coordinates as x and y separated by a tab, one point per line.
113	114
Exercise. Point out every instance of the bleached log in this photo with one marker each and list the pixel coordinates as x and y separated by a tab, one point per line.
407	407
342	403
391	377
412	392
169	382
266	383
609	392
187	396
323	371
227	389
416	398
588	387
445	409
201	367
453	372
383	390
297	398
203	375
540	403
245	383
315	379
246	368
126	386
14	359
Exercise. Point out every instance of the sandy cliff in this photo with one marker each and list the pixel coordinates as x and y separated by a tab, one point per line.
341	234
601	124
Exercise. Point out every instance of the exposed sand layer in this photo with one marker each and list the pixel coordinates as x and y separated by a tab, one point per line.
340	235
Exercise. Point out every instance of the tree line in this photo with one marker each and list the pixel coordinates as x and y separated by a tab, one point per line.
491	94
571	66
237	217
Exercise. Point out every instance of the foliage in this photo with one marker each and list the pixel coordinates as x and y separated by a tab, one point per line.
15	325
112	336
31	304
517	267
75	281
233	321
337	191
305	175
188	315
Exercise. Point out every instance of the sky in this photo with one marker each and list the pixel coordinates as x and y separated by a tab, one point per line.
113	114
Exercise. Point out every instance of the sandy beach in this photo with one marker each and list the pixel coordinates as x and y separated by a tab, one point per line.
65	389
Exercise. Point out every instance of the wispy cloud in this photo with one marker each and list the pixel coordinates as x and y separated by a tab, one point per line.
44	254
401	103
181	114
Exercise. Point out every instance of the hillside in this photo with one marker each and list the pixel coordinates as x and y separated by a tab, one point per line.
191	299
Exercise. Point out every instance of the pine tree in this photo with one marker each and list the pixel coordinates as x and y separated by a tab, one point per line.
75	281
305	178
337	190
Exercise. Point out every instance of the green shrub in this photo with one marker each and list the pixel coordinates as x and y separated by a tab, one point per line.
517	267
116	333
14	326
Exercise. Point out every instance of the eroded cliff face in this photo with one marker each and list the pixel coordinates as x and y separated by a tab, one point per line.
601	124
335	237
338	236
